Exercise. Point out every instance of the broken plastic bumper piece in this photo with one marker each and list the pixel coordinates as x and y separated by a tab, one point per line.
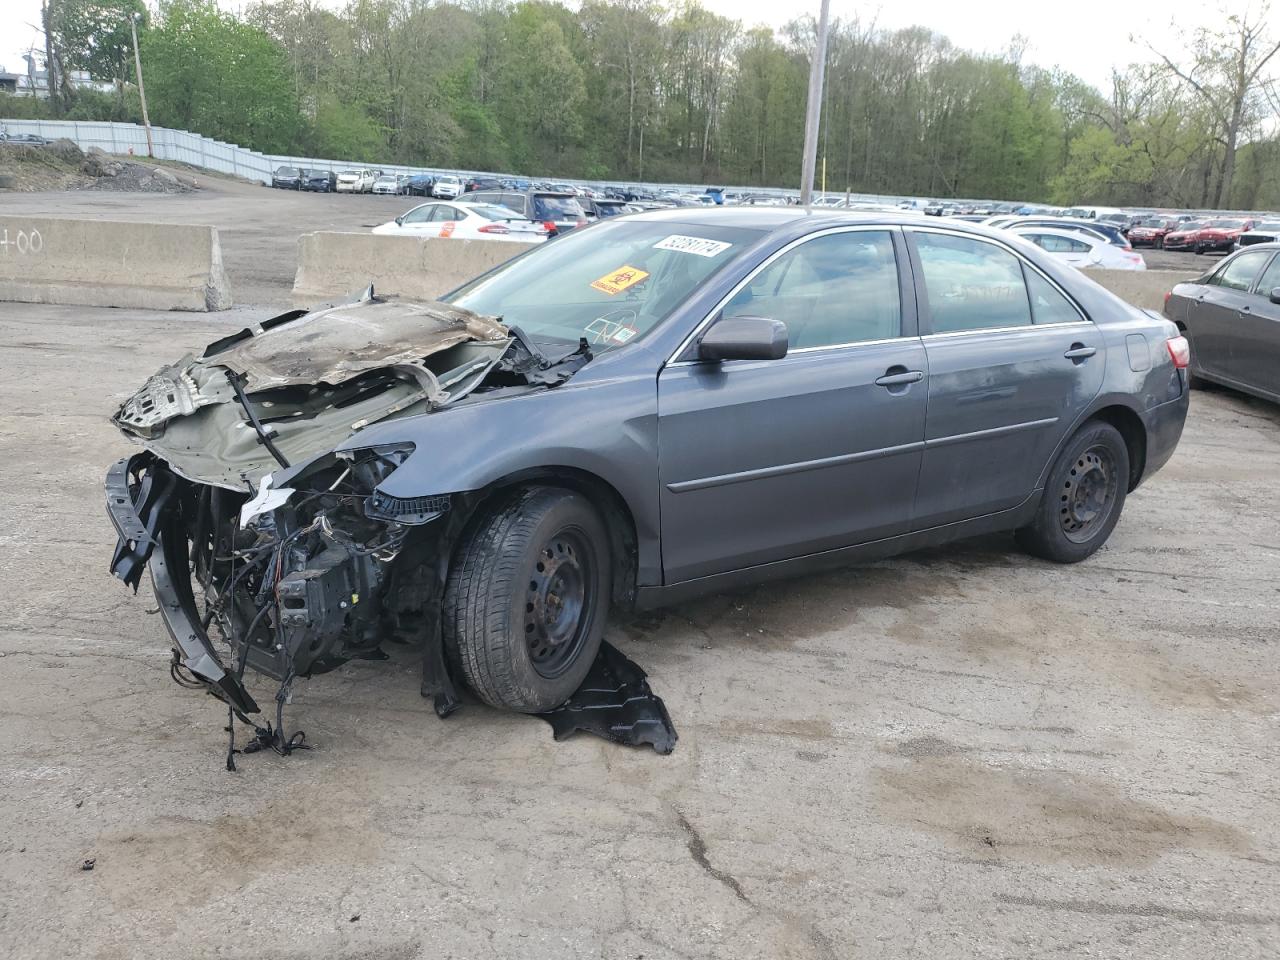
142	505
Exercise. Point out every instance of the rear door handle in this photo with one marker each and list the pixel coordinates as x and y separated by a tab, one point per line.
1079	351
898	379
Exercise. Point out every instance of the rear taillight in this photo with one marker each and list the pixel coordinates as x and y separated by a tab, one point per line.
493	228
1179	351
549	226
1167	295
1127	248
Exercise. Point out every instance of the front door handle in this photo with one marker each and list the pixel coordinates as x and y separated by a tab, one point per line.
899	379
1079	351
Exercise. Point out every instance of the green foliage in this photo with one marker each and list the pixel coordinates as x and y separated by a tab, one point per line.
211	73
94	35
654	90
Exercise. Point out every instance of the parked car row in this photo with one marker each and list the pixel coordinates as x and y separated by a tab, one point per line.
1118	227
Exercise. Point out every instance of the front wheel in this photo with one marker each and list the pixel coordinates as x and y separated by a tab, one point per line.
527	598
1083	496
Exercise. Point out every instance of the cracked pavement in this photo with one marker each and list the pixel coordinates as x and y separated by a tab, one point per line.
958	753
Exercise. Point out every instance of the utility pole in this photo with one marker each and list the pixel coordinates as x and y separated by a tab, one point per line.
142	93
813	108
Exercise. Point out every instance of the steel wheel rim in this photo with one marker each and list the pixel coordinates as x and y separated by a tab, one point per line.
559	603
1088	494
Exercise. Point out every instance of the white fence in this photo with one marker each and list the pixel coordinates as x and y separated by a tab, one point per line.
200	151
192	148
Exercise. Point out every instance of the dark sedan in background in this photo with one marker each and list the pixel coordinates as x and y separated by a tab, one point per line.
320	181
655	407
287	178
1231	316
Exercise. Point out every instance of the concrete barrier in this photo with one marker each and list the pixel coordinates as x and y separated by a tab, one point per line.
108	263
1142	288
332	265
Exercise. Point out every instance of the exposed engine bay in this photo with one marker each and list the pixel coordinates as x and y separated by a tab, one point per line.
272	551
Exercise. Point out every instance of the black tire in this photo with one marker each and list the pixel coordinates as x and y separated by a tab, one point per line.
527	598
1083	496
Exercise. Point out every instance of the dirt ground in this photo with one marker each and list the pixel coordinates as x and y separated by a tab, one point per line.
960	753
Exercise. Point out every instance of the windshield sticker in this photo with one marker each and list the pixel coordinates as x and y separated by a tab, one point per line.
694	245
602	330
615	281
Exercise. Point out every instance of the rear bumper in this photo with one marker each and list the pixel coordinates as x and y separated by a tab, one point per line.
1164	423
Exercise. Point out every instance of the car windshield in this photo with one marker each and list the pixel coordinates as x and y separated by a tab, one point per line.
286	172
1152	223
1269	225
350	173
557	208
388	178
317	173
1193	225
1227	224
448	180
610	283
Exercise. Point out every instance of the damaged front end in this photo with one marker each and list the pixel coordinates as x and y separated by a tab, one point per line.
268	548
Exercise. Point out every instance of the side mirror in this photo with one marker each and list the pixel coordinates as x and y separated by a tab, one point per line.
1275	294
744	338
399	221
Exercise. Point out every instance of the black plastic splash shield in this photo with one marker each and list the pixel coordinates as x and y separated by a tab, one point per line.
615	702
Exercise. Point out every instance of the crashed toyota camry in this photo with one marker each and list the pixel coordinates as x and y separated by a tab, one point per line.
645	410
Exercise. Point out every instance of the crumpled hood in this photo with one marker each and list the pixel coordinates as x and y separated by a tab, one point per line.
311	379
332	346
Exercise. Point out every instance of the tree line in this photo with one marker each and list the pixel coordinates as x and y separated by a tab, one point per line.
641	90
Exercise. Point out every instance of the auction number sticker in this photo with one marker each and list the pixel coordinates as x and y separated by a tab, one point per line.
694	245
615	281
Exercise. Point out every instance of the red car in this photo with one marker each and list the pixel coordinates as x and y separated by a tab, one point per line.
1185	236
1151	233
1220	235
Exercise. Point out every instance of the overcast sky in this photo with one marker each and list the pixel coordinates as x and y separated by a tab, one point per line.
1086	38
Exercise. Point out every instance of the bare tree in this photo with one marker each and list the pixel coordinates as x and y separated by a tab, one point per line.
1225	71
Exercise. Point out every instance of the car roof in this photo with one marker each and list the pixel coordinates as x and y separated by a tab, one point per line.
771	218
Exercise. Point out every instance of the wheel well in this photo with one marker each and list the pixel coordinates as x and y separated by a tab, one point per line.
1134	433
604	497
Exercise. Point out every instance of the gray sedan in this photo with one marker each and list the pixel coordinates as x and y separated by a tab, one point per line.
1231	316
650	408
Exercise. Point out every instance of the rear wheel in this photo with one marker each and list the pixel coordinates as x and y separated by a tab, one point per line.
527	599
1083	497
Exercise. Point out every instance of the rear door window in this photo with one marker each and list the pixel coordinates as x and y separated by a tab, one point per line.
1270	279
971	284
1238	274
